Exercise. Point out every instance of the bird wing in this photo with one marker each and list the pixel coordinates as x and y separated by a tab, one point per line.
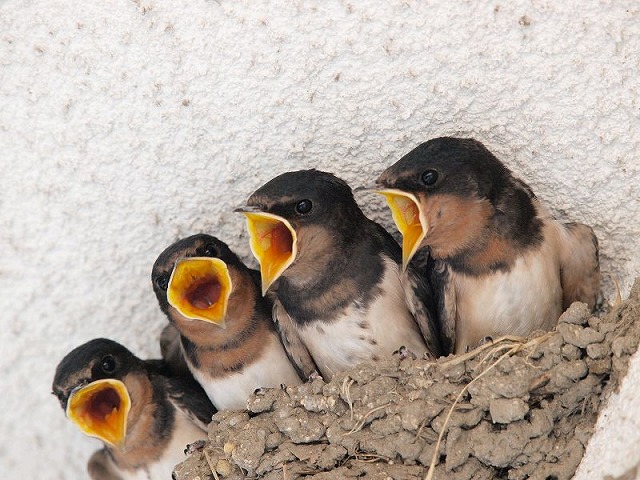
444	291
189	397
171	351
422	305
421	292
579	265
292	343
101	467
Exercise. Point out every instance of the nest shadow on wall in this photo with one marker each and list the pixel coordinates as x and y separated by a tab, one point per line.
514	409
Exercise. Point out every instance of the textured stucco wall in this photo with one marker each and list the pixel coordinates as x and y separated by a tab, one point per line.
127	124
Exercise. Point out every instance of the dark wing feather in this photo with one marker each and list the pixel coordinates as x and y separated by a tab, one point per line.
191	399
445	299
421	304
418	292
389	245
292	343
171	350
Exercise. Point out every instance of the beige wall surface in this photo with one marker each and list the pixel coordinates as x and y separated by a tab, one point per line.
125	125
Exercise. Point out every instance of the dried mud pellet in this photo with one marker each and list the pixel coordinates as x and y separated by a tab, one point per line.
578	313
600	366
623	345
507	410
578	336
571	352
597	350
224	468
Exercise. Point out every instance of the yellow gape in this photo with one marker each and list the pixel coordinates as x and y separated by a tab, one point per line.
409	219
101	409
199	288
273	243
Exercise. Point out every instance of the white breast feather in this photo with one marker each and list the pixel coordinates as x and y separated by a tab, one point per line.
342	343
185	432
232	392
527	298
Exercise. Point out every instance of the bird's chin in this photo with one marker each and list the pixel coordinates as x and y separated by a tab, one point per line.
410	219
274	244
199	289
100	409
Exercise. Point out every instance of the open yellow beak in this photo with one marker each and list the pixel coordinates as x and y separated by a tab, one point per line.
101	409
199	288
274	244
409	219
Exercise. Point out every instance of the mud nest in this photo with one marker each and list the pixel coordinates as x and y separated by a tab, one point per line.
514	409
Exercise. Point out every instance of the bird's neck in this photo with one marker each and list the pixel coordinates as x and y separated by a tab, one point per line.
494	243
150	419
220	351
239	320
348	272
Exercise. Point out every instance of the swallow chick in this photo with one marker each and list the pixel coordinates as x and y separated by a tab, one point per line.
336	276
143	417
503	264
227	337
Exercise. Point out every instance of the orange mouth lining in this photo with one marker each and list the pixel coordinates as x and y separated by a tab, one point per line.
408	217
199	289
101	405
100	409
204	294
280	242
273	243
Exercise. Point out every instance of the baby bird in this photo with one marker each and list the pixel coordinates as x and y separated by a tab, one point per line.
339	297
503	264
143	417
227	337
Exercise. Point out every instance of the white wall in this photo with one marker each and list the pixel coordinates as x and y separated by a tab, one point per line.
125	125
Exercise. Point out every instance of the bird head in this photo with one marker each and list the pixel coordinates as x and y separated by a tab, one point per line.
295	221
442	194
195	278
91	385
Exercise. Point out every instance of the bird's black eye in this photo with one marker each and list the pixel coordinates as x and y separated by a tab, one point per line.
211	250
429	177
303	206
108	364
162	282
